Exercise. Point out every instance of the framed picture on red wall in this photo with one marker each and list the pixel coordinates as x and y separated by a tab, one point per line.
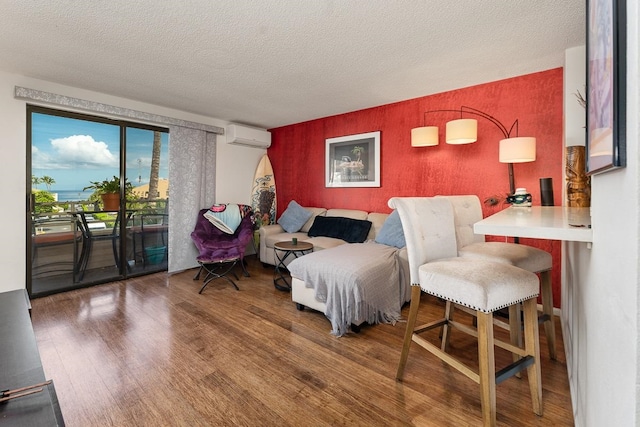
353	160
606	85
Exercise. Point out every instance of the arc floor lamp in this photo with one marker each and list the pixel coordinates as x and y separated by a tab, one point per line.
516	149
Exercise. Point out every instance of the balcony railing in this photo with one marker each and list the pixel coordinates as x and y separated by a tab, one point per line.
59	242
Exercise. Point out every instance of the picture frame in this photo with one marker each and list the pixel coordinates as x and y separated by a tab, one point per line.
353	160
606	85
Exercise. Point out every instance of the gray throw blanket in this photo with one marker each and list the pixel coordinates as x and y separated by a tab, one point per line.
357	282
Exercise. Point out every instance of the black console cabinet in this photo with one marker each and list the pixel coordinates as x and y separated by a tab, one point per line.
20	366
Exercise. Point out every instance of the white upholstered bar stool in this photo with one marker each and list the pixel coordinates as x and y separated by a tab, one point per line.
484	286
467	211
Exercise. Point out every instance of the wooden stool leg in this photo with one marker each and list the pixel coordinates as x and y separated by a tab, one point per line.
532	348
547	309
515	330
487	368
408	333
446	329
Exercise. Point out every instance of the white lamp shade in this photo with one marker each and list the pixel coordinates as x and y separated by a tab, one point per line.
425	136
462	131
518	150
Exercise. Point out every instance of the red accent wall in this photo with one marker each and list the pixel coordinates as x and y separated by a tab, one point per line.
297	152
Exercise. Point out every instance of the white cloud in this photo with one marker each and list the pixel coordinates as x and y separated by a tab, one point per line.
39	159
76	151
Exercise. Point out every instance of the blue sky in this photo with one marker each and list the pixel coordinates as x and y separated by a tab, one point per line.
74	152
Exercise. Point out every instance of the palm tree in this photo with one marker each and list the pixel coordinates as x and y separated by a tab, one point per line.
35	181
359	166
48	181
357	150
155	166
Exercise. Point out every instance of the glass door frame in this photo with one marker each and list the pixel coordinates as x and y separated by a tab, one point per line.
123	270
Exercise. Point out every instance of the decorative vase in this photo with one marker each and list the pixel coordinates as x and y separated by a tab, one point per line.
578	183
111	201
520	198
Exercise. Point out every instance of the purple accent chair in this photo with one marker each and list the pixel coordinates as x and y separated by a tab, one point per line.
219	251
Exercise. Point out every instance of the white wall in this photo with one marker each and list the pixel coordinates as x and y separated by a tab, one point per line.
606	306
574	81
235	166
573	323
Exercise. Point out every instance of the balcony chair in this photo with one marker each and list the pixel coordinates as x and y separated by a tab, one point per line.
56	232
481	285
467	210
90	237
219	252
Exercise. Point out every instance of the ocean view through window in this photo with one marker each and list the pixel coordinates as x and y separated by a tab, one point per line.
75	238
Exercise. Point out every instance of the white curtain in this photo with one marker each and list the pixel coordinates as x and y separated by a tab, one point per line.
192	174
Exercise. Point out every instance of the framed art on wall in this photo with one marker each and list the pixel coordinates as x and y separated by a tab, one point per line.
606	85
353	160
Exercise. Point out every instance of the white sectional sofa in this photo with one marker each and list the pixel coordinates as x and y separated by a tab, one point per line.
271	234
355	267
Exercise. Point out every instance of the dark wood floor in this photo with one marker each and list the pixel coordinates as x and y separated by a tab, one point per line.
151	351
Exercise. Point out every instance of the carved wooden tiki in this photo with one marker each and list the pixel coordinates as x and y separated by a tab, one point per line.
578	183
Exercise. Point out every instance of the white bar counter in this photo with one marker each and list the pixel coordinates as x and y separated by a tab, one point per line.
539	222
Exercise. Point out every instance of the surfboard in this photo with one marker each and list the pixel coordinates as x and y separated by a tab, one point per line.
263	193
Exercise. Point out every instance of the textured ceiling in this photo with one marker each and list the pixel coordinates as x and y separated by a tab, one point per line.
275	62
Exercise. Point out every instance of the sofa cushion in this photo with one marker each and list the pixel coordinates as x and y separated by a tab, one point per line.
391	233
319	242
377	220
294	217
348	229
348	213
271	239
314	213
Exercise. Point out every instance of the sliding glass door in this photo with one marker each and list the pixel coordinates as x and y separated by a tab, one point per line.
75	236
148	203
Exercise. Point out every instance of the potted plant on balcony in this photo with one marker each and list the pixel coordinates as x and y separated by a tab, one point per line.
109	191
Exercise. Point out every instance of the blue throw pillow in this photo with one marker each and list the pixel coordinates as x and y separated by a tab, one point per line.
391	233
294	217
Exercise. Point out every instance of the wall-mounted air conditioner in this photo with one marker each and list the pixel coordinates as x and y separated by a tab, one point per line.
251	137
